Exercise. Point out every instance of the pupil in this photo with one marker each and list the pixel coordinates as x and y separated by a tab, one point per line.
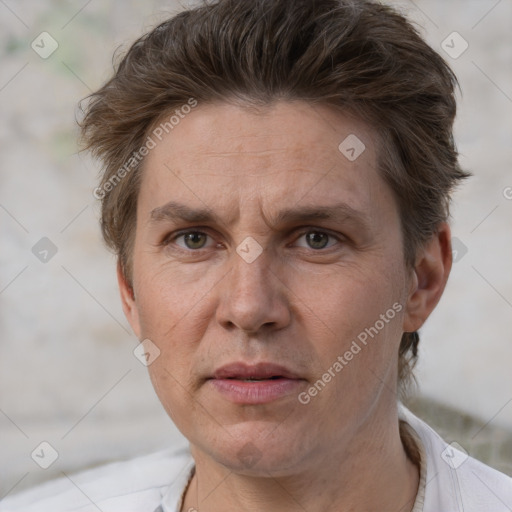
317	240
194	240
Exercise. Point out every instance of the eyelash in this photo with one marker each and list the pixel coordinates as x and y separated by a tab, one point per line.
174	236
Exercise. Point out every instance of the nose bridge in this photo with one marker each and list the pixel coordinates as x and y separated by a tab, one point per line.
249	276
252	296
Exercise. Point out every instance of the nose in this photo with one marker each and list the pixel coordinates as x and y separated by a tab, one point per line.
253	297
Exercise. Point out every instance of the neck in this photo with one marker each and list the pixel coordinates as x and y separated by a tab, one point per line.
371	473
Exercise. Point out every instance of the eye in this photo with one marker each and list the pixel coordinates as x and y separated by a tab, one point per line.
317	240
192	240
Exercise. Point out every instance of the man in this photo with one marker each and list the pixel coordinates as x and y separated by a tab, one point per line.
276	187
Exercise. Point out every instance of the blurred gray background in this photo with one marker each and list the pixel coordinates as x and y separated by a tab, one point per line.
68	375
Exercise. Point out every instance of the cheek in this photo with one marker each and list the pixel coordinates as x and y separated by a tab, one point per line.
175	309
358	354
173	391
168	295
347	300
355	316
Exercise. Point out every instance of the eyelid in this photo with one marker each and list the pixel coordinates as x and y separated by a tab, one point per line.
171	237
313	229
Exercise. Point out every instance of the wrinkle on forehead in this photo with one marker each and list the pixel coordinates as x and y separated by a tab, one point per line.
243	173
241	151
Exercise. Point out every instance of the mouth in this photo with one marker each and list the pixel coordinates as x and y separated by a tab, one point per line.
256	379
254	372
260	383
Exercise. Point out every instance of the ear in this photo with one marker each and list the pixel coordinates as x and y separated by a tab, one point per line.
128	301
428	278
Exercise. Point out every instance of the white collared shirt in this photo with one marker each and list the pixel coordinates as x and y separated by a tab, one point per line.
450	481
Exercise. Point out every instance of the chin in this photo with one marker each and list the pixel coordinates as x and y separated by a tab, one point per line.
254	451
252	461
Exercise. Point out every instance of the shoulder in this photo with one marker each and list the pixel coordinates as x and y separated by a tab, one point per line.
136	484
456	481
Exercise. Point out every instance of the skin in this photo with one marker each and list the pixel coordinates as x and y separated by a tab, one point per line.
296	305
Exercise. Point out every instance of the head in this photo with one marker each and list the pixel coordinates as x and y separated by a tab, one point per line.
314	136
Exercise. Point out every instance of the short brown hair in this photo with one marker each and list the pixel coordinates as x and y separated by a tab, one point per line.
360	56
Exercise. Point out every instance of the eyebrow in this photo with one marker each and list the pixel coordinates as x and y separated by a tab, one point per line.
173	211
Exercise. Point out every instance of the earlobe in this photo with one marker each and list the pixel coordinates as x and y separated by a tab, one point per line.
128	300
428	278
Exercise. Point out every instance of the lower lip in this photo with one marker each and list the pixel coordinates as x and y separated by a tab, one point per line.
256	392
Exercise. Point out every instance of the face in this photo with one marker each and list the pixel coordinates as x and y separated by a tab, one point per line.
268	270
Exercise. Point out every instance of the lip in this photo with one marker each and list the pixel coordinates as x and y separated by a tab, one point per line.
240	370
279	382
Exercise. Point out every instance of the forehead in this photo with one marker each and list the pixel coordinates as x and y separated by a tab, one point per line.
228	131
232	157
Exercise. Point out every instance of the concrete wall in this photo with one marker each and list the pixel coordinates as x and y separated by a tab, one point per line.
67	372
